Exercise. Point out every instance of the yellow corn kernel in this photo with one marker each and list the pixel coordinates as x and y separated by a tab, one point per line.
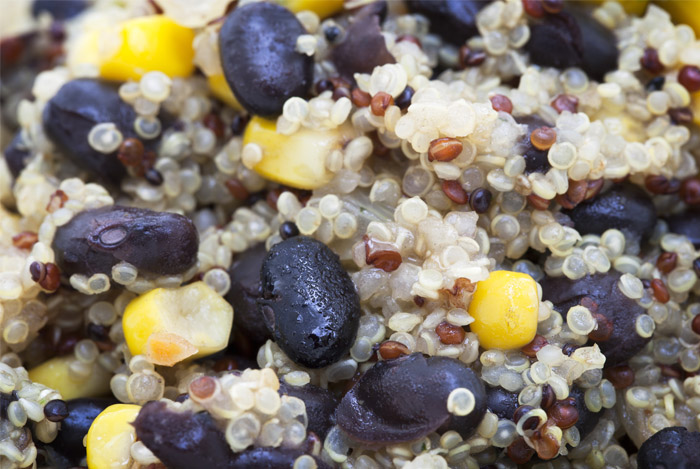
219	88
297	160
54	374
109	439
633	7
505	308
323	8
695	106
128	50
683	12
194	317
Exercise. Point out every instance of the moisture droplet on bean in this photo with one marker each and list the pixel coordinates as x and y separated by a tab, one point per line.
625	207
405	398
620	310
672	447
159	243
320	405
77	107
452	20
257	45
309	302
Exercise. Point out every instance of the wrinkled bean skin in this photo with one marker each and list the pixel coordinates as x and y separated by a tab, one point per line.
320	405
405	399
245	291
77	107
624	207
624	342
159	243
309	302
16	156
670	448
452	20
257	45
687	224
82	411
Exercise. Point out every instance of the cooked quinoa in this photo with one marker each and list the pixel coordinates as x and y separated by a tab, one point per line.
349	233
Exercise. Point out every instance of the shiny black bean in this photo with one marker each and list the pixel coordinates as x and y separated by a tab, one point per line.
621	311
599	44
309	302
587	419
625	207
159	243
452	20
501	402
405	399
688	224
535	160
320	405
257	45
81	413
16	155
59	9
670	448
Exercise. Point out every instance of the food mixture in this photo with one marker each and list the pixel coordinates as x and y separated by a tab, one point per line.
312	234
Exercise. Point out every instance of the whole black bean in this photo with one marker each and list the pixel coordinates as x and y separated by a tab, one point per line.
363	47
159	243
625	207
535	159
501	402
600	51
320	405
452	20
309	302
272	458
59	9
16	155
244	292
670	448
77	107
257	45
587	419
687	224
81	413
405	398
621	311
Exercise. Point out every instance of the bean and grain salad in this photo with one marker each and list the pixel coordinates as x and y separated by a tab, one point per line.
357	234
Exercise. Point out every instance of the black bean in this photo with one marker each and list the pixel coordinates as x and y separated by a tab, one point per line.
452	20
587	419
16	155
621	311
257	44
81	413
501	402
56	410
245	291
625	207
535	160
320	405
59	9
363	47
670	448
599	44
405	399
77	107
309	302
160	243
272	458
687	224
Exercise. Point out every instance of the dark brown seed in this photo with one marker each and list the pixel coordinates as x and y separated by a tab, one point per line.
604	329
239	123
543	138
214	123
380	103
660	291
520	412
56	201
594	188
272	196
538	203
323	85
670	371
689	76
563	414
37	270
225	364
52	279
236	188
657	184
681	115
360	98
391	349
131	152
480	200
552	6
203	387
533	8
621	376
650	61
690	191
404	99
546	444
530	350
56	410
341	92
381	255
565	102
548	396
588	302
153	177
568	349
695	324
25	239
501	102
419	301
470	57
574	195
454	191
519	452
666	262
449	333
444	149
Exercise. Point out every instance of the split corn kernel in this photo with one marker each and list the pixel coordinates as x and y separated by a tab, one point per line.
54	374
128	50
220	89
297	160
323	8
504	308
194	319
109	439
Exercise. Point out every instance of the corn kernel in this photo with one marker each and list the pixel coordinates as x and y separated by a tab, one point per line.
504	308
220	89
297	160
323	8
194	319
695	107
54	374
109	439
130	49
